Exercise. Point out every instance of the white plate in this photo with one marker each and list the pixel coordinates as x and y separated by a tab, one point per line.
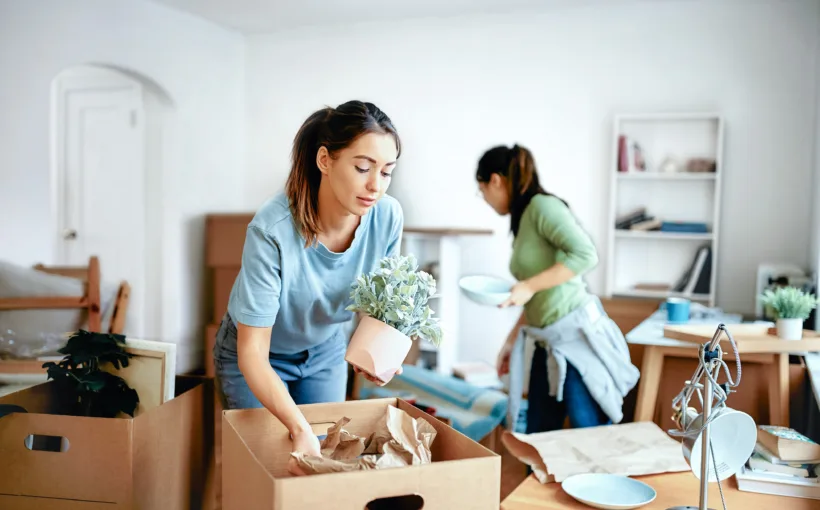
610	492
486	290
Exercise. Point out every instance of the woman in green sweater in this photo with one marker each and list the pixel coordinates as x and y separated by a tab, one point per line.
580	366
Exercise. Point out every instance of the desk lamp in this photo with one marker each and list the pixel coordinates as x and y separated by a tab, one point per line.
717	442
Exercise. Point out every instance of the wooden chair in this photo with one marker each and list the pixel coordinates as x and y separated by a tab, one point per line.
90	301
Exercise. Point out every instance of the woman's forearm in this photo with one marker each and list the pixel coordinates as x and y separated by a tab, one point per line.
263	381
554	276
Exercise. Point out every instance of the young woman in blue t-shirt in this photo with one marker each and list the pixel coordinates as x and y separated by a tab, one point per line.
282	340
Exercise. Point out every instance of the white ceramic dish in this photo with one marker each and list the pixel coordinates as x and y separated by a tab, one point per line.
485	290
609	492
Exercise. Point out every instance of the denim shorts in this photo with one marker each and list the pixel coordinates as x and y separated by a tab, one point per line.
312	376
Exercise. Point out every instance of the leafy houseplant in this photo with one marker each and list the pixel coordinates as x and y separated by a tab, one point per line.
95	392
791	306
392	301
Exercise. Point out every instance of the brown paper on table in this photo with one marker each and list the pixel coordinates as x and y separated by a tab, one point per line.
629	449
399	440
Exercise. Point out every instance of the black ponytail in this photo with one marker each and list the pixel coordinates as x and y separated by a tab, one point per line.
518	166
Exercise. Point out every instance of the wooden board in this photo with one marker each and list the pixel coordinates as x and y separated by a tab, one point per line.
750	338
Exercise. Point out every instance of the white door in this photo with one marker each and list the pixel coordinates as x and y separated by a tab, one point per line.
100	178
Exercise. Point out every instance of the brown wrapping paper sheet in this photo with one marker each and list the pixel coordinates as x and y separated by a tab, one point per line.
630	449
399	440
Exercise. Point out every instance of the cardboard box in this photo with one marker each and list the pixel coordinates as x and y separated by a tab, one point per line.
223	283
158	460
256	448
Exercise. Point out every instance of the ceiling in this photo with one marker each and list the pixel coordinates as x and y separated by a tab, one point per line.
259	16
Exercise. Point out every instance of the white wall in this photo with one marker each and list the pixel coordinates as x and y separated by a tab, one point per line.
551	80
814	257
199	65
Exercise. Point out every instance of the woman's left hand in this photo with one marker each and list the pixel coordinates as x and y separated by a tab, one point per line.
520	294
371	378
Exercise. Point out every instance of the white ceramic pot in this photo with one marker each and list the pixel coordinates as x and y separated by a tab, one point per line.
790	329
377	348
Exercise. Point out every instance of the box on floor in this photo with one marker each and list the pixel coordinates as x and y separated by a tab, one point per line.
256	448
157	460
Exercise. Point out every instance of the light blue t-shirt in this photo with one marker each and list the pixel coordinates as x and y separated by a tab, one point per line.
302	292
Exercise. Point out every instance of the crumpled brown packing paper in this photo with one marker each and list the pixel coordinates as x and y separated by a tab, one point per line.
399	440
630	449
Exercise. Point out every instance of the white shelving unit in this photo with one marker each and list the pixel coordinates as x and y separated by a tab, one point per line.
658	257
441	246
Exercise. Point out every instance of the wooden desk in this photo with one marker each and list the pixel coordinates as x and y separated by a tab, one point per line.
659	342
673	489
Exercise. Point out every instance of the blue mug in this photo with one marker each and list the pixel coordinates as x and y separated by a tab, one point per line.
677	310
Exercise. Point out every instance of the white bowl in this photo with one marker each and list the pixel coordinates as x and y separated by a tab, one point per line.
607	491
485	290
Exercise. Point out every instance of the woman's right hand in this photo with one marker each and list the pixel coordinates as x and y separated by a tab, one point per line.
306	442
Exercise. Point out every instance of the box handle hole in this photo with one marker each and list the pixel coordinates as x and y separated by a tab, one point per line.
36	442
408	502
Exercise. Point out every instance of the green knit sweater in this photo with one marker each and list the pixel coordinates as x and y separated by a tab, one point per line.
548	234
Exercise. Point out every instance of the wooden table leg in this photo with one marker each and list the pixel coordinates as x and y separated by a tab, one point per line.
651	369
779	391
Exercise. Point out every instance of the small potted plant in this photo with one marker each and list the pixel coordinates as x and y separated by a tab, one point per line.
790	306
392	303
80	375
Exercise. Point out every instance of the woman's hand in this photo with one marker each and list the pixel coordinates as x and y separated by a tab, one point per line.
373	379
306	442
520	294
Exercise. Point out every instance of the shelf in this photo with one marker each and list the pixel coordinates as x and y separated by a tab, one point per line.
654	234
660	294
442	232
661	176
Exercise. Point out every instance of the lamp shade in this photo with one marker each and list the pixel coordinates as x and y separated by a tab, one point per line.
733	435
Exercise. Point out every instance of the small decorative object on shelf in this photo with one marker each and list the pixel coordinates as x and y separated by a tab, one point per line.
392	302
790	307
81	376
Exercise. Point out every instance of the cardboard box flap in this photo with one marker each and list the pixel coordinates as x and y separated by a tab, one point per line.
70	457
169	442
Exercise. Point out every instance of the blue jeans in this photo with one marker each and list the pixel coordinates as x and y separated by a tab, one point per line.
545	413
313	376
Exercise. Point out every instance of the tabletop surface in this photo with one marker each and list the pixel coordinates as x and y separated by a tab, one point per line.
673	489
650	331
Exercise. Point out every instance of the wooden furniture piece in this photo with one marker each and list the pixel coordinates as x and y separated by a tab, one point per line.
774	355
90	301
672	489
755	343
224	240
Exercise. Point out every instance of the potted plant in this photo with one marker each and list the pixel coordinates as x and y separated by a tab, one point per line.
94	391
790	306
392	303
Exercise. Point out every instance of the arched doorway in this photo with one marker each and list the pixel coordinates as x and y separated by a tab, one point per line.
108	148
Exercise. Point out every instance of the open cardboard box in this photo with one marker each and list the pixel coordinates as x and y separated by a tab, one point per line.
256	448
157	460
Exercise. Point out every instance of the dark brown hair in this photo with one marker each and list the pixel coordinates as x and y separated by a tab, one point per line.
518	166
335	129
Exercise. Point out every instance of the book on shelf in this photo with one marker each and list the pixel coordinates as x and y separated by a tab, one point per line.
698	278
630	156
